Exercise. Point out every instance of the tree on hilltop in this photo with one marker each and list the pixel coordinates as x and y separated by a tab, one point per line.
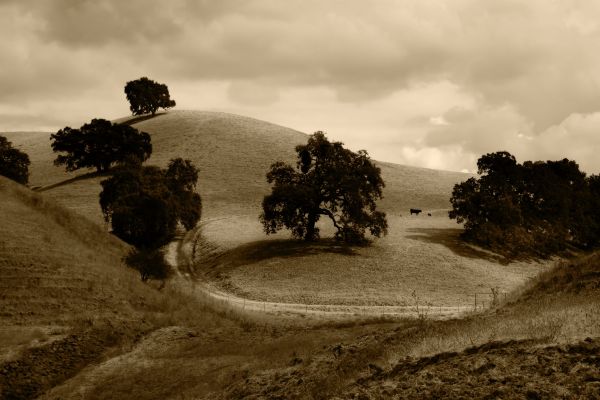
147	96
99	144
14	164
329	181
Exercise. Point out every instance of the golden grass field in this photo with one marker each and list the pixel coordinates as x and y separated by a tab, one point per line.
75	323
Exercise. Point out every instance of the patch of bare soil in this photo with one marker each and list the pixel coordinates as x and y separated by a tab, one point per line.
514	369
40	368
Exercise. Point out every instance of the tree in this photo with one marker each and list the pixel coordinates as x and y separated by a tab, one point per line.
151	264
147	96
330	181
181	177
14	164
145	204
99	144
535	207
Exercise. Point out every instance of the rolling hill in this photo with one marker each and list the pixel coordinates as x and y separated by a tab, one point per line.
421	257
233	153
75	323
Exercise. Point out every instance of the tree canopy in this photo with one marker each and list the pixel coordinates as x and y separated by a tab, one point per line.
99	144
147	96
329	181
14	164
535	207
144	204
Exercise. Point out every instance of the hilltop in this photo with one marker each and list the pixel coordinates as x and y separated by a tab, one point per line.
233	153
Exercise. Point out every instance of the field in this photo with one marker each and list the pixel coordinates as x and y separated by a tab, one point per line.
76	323
422	256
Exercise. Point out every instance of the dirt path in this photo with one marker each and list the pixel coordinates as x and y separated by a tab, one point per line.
179	250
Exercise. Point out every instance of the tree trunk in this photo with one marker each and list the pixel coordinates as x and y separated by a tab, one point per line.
310	227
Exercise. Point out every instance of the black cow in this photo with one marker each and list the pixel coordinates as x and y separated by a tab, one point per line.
415	211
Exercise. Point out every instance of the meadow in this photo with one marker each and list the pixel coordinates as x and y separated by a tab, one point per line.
422	256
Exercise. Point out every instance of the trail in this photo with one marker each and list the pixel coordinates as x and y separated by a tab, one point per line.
178	250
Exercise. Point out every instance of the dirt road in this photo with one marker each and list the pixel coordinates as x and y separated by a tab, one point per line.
178	251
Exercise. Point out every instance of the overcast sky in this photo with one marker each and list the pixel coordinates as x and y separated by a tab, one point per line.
426	83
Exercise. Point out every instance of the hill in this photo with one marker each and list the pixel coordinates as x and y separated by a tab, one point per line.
542	343
233	153
75	323
62	282
67	302
421	256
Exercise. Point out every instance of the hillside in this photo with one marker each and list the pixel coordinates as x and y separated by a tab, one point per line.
55	255
543	343
233	153
61	283
76	323
421	256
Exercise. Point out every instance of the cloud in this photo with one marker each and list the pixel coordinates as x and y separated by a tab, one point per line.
410	81
472	133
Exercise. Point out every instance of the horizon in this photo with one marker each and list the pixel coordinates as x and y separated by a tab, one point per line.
422	84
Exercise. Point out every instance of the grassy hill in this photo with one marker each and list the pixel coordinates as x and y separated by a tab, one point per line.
542	343
74	322
421	256
233	153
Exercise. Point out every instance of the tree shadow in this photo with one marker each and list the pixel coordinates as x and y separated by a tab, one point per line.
81	177
450	237
135	120
261	250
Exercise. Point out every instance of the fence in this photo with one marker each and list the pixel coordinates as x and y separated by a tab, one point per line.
475	302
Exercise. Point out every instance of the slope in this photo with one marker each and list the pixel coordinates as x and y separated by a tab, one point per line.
421	255
233	153
541	343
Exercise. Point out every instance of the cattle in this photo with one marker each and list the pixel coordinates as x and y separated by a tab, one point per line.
429	214
415	211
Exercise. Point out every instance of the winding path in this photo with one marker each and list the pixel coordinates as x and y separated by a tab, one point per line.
176	251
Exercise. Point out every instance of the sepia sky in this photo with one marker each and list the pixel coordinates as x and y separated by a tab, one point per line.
426	83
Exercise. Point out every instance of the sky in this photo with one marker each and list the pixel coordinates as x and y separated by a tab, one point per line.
426	83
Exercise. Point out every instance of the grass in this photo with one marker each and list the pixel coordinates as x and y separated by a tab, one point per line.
61	276
233	154
538	336
421	254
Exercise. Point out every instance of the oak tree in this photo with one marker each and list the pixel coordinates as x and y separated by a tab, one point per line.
144	204
99	144
147	96
328	181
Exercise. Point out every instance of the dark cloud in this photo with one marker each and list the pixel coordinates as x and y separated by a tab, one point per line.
82	23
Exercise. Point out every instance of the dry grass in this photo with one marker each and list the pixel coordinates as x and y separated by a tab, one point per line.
511	342
233	154
62	273
421	254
